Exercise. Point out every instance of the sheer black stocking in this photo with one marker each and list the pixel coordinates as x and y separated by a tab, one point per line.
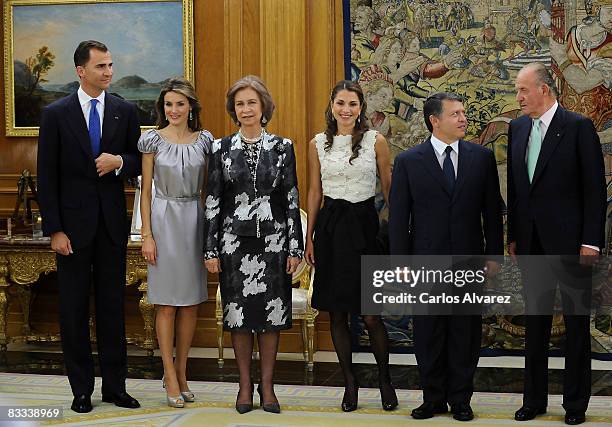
379	343
243	350
341	338
268	347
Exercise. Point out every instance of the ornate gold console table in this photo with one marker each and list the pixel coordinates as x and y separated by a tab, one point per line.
23	260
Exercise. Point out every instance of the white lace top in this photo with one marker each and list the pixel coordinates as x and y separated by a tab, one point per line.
354	182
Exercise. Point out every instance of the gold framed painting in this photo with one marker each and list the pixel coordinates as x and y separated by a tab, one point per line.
150	40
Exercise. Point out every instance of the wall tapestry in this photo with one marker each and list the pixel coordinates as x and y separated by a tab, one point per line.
403	50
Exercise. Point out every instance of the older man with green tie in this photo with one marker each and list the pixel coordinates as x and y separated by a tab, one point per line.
556	206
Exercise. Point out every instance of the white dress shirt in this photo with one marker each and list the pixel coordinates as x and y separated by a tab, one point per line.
439	150
545	120
85	101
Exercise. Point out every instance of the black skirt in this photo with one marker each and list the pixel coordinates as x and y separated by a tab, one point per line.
344	231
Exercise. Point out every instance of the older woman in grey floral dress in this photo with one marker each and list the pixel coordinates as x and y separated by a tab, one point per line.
254	237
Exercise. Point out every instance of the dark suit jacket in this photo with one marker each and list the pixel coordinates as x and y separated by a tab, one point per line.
566	202
426	219
231	202
70	193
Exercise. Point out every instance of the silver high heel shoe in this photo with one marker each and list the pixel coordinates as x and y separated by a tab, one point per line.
188	396
173	401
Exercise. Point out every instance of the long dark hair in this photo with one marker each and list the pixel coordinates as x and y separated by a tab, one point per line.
185	88
361	126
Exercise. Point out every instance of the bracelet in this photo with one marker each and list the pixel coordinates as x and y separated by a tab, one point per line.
143	235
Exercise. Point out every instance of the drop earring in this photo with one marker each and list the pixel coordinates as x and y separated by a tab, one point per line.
264	121
190	116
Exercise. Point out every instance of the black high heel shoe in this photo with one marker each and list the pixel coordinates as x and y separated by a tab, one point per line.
268	407
387	396
243	408
350	398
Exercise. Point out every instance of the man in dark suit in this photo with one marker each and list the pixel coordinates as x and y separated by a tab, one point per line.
445	200
87	145
556	206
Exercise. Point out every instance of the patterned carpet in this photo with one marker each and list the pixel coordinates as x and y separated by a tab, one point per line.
302	406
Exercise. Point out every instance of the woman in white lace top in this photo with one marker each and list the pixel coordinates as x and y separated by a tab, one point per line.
343	164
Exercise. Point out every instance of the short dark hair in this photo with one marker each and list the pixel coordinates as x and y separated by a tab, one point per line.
433	105
543	76
81	54
255	83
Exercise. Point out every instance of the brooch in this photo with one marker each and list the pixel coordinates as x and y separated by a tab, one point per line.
279	147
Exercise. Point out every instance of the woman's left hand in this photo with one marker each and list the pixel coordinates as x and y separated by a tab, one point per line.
292	264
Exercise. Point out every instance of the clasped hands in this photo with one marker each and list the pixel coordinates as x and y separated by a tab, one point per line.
107	162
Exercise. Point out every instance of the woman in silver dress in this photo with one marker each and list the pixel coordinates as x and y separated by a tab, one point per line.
174	157
254	238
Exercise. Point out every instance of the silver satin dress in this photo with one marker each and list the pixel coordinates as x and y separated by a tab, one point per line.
177	219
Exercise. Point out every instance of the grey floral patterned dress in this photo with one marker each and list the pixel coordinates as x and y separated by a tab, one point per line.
253	224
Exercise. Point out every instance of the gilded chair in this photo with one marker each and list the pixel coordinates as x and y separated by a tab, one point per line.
301	308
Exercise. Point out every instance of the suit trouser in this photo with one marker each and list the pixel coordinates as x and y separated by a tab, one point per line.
447	350
103	261
577	374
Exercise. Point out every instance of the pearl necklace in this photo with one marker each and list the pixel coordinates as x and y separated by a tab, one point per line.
251	140
253	173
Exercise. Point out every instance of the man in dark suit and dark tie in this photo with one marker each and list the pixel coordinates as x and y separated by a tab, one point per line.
556	206
86	147
445	200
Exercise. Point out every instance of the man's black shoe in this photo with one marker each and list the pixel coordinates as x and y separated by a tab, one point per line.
574	418
462	412
527	413
81	404
122	400
428	410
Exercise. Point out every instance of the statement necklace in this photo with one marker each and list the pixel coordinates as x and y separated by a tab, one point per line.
252	150
251	140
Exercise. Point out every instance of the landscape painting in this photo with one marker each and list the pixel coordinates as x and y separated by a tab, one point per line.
150	41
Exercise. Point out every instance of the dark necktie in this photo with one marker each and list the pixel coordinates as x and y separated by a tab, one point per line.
94	128
448	169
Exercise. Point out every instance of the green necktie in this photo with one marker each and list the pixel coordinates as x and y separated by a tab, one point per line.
535	144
